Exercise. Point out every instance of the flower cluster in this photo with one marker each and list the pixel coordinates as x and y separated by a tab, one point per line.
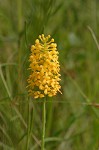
44	78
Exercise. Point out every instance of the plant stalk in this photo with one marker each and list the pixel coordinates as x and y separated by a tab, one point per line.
43	124
28	128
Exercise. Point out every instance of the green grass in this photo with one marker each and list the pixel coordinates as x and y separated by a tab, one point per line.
72	124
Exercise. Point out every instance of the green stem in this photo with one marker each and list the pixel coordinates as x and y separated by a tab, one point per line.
19	15
43	125
28	128
19	30
49	118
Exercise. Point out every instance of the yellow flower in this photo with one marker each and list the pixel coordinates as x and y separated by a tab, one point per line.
44	78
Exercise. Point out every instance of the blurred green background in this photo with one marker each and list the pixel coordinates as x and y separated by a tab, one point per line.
72	124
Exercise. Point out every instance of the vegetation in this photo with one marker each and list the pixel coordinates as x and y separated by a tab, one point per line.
72	118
